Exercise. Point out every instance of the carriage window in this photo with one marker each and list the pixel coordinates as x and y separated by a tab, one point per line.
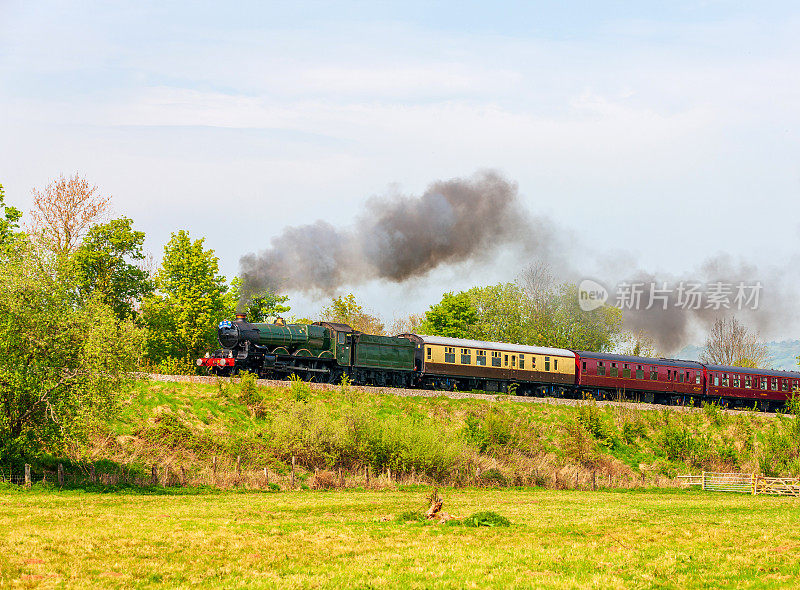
784	385
601	369
724	380
505	360
466	356
480	358
639	372
697	378
533	362
747	381
555	364
429	353
584	365
653	375
735	380
626	372
774	383
522	361
763	383
547	363
449	354
614	371
341	337
513	360
495	358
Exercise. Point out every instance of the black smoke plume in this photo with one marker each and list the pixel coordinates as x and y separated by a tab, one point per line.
397	238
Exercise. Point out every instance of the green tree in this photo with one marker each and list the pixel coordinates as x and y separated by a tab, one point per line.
501	312
181	316
347	310
259	307
9	218
454	317
64	361
103	268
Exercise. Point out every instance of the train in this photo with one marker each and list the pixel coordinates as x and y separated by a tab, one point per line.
327	351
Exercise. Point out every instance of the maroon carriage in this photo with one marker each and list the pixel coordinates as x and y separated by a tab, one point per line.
652	380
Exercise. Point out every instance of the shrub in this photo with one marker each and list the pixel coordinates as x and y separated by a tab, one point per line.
486	518
300	390
493	477
588	416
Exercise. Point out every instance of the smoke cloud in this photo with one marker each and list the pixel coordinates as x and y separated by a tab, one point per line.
398	238
760	297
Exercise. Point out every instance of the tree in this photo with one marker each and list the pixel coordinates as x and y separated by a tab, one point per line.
259	307
103	269
63	360
501	312
64	211
346	310
454	317
9	220
730	343
637	344
181	316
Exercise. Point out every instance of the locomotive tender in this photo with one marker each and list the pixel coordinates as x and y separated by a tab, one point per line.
325	351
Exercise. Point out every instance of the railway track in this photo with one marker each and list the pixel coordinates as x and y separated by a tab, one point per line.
436	393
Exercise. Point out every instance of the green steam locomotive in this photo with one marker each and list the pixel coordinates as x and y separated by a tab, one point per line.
322	351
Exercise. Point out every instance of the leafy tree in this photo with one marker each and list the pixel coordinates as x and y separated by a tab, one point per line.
64	211
259	307
103	270
9	220
454	317
501	312
63	361
182	314
346	310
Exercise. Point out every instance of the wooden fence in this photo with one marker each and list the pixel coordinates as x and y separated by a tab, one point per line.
743	483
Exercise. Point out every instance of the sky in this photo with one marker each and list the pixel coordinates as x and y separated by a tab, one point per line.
656	133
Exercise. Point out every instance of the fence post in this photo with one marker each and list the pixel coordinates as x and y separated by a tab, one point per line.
292	471
366	476
555	478
389	474
60	475
703	483
27	475
576	479
594	480
238	465
754	481
154	475
214	471
266	477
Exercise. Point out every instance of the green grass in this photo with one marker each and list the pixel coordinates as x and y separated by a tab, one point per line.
567	539
446	440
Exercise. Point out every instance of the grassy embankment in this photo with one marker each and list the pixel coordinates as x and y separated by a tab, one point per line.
346	539
180	427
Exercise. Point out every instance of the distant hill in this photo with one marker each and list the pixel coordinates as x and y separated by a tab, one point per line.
782	355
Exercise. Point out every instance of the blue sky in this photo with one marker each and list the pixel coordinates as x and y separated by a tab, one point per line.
661	132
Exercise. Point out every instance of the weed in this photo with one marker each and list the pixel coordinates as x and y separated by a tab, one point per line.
486	518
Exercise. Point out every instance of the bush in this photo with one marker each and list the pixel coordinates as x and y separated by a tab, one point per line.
172	366
493	477
486	518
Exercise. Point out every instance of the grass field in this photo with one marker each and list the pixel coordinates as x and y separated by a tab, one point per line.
351	539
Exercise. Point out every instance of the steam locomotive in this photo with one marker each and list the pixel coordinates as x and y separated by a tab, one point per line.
325	351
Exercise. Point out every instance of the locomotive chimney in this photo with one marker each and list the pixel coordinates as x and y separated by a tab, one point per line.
241	317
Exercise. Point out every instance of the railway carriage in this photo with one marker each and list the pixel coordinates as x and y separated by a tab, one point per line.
651	380
744	387
493	366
